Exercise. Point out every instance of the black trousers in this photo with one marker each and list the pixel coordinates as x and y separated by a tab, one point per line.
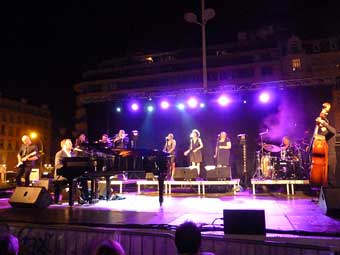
60	184
84	188
23	171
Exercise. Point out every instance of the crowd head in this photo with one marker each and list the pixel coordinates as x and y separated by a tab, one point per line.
188	238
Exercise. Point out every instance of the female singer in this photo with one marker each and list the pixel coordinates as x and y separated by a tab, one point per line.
222	153
195	150
170	147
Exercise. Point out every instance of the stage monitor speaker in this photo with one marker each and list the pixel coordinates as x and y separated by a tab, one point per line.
185	173
219	173
30	197
244	222
329	201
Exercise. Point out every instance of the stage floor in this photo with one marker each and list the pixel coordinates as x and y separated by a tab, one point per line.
299	212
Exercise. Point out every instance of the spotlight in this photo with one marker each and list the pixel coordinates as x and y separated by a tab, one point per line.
202	105
244	101
223	100
118	109
134	107
165	104
181	106
150	108
264	97
192	102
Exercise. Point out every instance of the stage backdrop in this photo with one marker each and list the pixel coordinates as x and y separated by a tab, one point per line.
290	112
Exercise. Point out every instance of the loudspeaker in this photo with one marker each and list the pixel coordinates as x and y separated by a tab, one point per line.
244	222
30	197
185	173
329	201
219	173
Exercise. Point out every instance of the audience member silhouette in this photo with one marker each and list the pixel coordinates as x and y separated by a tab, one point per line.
9	244
188	239
110	247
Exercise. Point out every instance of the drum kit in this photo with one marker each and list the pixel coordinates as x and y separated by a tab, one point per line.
279	163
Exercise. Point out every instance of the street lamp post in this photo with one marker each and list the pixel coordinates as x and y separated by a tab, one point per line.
206	14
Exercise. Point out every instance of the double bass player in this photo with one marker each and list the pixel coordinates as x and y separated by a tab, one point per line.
323	166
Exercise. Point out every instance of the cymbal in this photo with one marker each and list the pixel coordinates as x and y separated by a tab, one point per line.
271	148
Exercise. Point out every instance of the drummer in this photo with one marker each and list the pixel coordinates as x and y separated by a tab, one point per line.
287	149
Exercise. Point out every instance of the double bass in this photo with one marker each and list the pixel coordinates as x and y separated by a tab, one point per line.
319	152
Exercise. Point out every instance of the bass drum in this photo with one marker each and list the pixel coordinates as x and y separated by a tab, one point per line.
284	170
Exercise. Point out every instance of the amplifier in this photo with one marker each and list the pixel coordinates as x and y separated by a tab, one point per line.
185	173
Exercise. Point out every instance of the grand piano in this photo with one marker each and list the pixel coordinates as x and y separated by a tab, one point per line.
99	163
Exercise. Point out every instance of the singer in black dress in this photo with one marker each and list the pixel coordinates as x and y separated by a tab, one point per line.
223	147
170	147
195	150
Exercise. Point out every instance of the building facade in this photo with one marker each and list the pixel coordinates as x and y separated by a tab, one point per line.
19	118
252	62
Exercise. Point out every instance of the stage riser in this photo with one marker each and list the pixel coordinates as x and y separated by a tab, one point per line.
35	239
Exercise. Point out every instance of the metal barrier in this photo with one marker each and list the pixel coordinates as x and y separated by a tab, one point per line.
65	239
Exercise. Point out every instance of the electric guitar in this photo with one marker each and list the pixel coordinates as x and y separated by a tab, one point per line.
23	159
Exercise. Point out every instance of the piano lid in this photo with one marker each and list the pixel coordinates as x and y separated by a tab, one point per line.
140	153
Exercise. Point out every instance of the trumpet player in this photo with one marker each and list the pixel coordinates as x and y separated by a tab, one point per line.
121	140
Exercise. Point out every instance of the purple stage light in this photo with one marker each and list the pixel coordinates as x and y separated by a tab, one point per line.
135	107
202	105
181	106
223	100
264	97
192	102
165	104
150	108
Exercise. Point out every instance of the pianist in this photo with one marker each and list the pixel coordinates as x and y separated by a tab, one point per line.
59	181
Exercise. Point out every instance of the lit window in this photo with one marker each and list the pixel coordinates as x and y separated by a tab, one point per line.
296	64
149	60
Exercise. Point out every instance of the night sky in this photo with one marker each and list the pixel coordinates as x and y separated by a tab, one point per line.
45	45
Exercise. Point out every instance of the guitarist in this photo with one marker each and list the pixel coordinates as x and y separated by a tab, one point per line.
329	132
27	155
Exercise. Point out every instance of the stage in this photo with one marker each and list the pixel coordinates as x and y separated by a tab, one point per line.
292	220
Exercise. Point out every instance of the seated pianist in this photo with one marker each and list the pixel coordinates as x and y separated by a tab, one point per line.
59	181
